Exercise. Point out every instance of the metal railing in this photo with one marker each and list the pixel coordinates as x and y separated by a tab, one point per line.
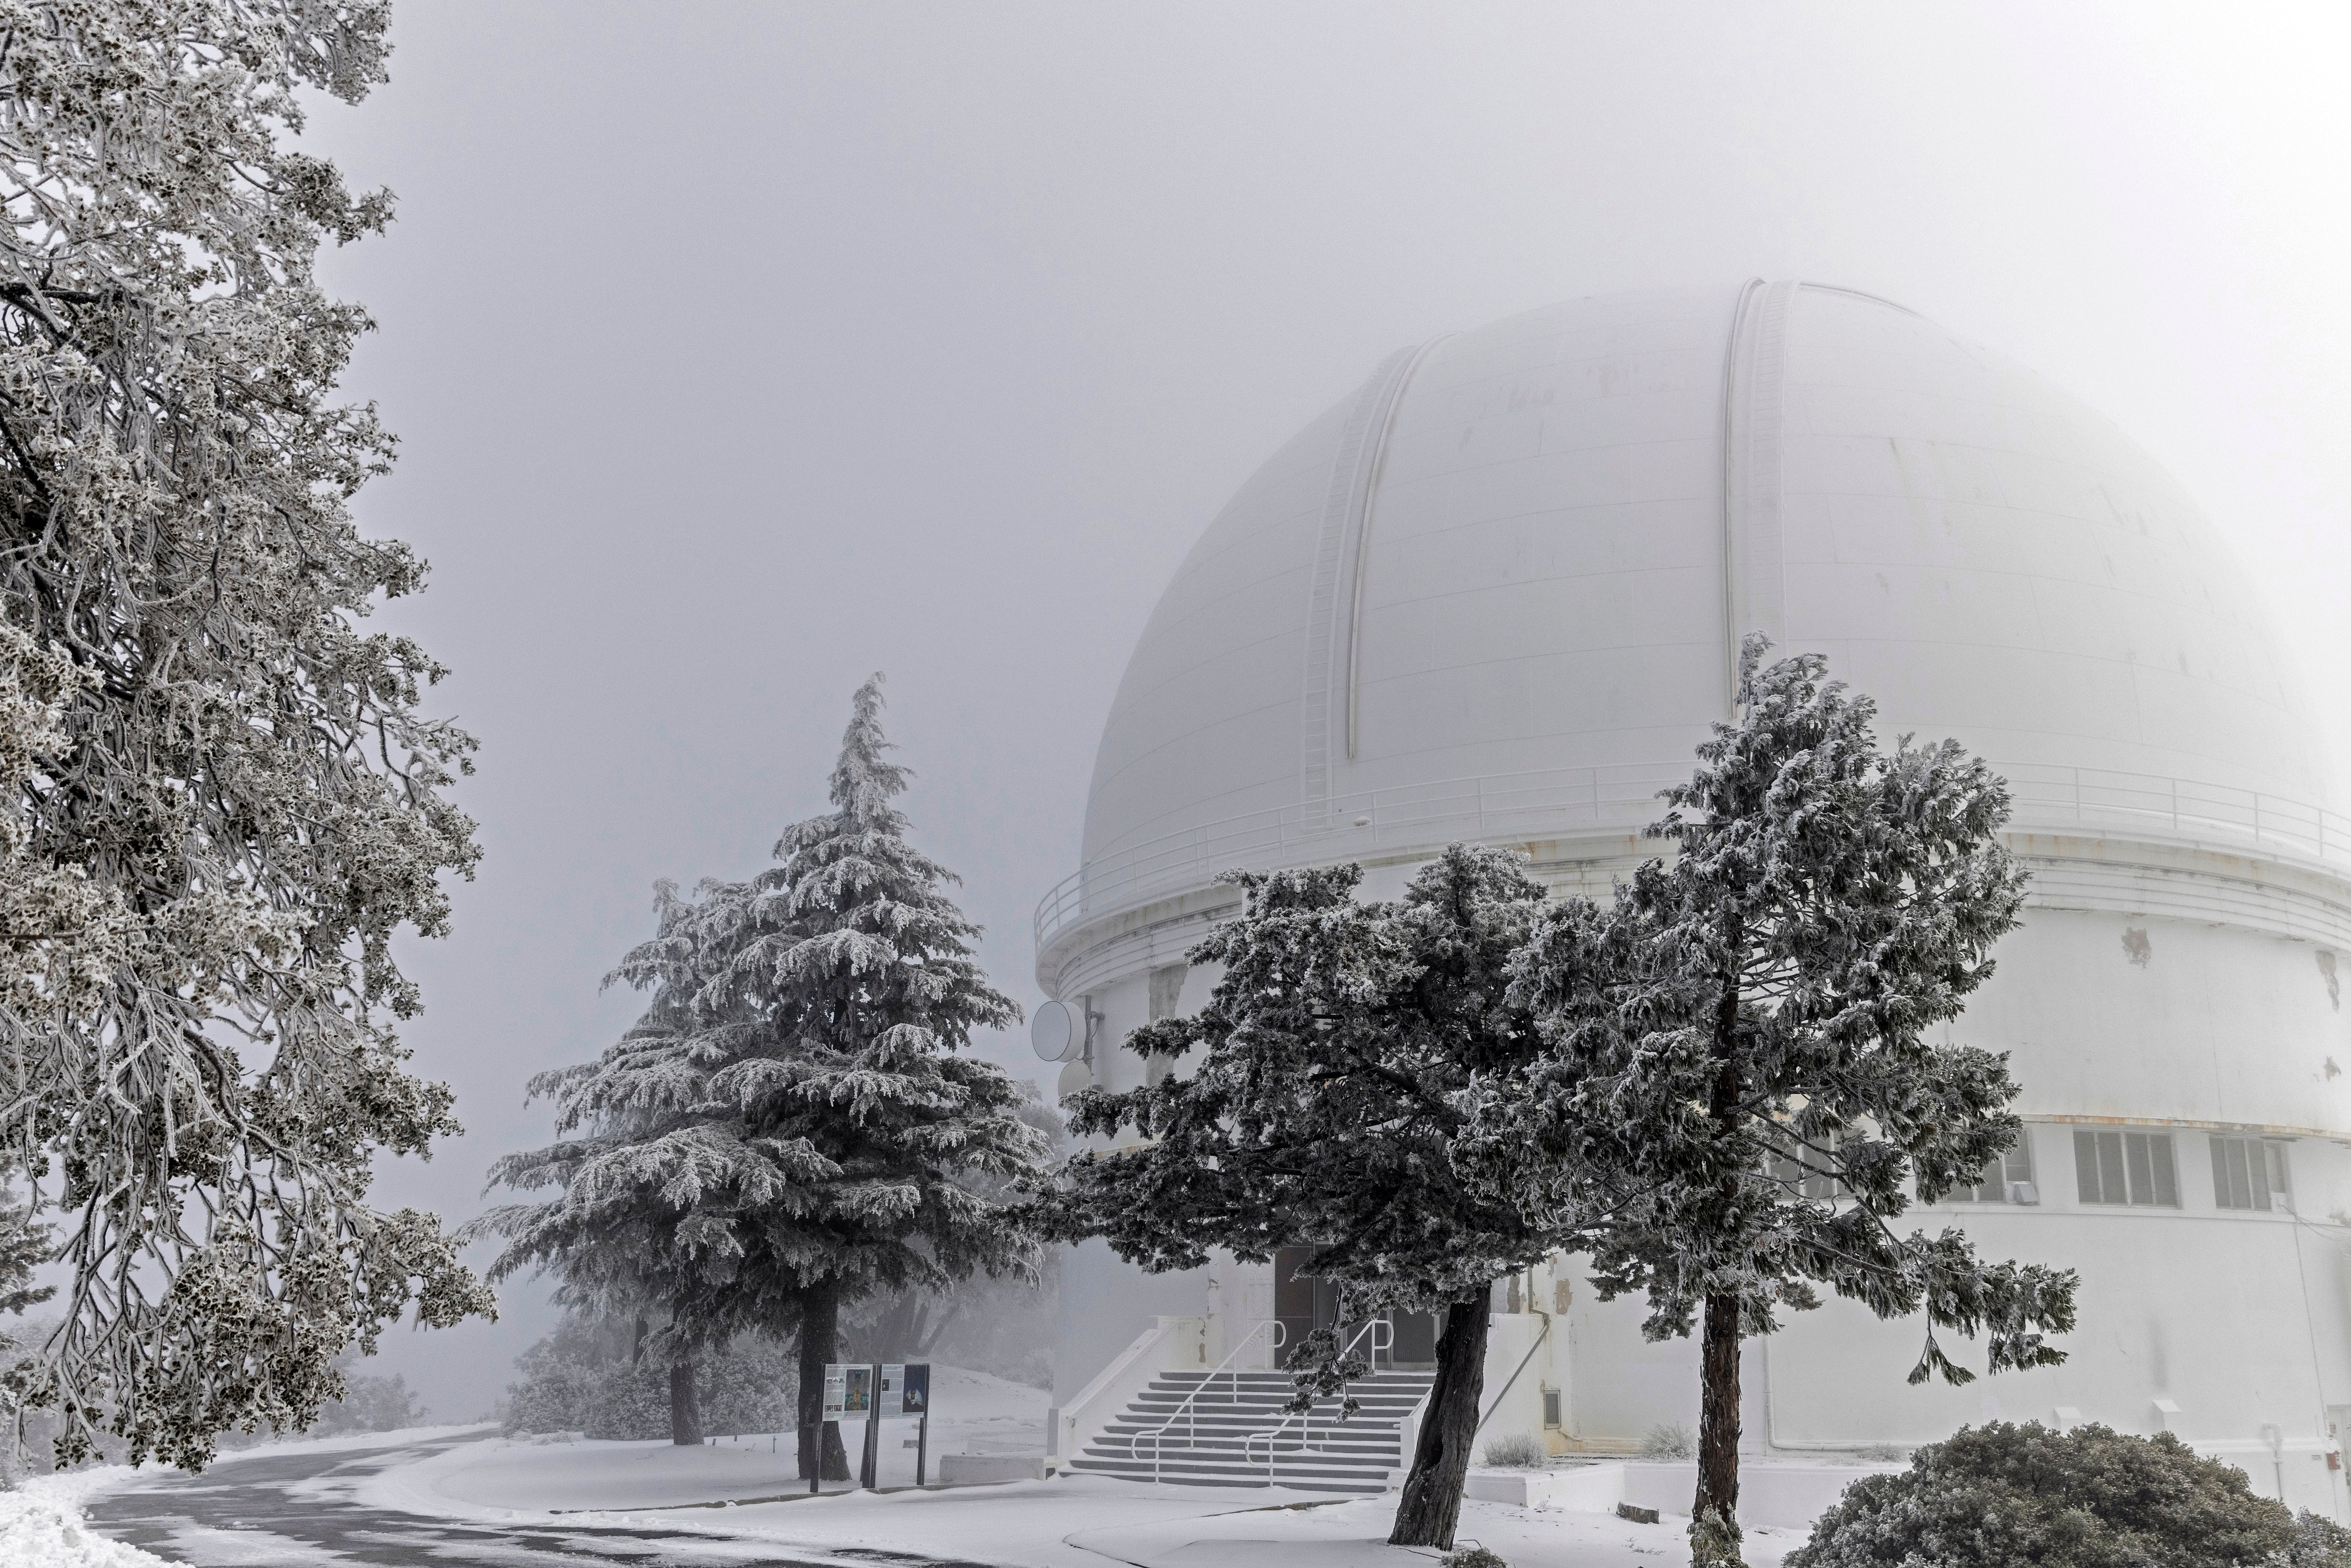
1306	1417
1188	1412
1554	802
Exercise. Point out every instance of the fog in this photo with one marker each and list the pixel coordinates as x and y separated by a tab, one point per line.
741	349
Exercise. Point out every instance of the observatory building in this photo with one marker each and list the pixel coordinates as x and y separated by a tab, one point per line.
1496	595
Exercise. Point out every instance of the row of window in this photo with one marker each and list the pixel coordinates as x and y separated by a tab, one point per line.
2141	1170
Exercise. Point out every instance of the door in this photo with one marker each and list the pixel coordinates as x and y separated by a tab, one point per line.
1414	1344
1305	1304
1297	1300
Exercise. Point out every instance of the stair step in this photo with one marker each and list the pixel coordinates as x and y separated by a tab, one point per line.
1230	1430
1235	1471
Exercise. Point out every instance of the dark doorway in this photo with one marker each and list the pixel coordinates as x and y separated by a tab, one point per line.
1303	1305
1415	1341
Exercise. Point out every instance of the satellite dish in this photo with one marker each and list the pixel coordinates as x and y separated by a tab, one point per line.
1057	1032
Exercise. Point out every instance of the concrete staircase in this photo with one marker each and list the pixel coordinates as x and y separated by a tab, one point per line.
1209	1442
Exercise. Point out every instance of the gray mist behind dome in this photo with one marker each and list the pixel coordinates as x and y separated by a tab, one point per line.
739	350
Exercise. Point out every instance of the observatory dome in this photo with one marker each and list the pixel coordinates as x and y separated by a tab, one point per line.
1496	595
1510	574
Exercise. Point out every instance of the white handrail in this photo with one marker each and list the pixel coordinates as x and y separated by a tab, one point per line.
1547	801
1188	1411
1306	1417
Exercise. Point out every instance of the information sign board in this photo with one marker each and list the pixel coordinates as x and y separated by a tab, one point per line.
915	1388
836	1388
847	1391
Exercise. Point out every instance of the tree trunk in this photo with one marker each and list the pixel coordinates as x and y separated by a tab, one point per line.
1717	1422
820	1346
684	1409
1431	1505
1714	1515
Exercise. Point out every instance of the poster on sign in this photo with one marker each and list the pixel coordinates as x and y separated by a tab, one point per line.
836	1389
847	1391
915	1388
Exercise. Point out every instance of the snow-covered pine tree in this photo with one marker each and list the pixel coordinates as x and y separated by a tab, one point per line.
1749	1027
654	1166
1321	1111
221	796
883	1131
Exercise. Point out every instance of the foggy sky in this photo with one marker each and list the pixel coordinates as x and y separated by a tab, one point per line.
739	350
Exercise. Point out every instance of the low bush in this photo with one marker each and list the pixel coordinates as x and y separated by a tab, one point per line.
588	1376
1670	1440
1516	1451
2005	1496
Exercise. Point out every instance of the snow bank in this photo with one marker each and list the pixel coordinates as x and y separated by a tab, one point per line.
41	1525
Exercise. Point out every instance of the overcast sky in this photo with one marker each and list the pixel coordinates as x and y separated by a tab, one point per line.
742	350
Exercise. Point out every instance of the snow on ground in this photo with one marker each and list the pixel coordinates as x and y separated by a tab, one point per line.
41	1524
740	1497
972	1413
1071	1522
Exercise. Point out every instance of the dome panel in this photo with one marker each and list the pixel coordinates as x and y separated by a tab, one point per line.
1917	481
1517	553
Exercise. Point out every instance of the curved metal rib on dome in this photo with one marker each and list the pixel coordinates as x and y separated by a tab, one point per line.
1336	585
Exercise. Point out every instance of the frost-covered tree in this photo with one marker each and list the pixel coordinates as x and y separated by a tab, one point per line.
881	1136
1739	1084
1322	1110
637	1226
221	798
794	1127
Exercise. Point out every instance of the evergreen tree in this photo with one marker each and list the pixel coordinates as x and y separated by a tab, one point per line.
652	1166
793	1126
880	1133
1737	1079
1322	1112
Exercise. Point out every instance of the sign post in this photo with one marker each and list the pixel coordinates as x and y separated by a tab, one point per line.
878	1392
916	1400
869	1470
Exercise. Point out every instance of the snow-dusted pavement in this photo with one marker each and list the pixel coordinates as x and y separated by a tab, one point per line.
468	1499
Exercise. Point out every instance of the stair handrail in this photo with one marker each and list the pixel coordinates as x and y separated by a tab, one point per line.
1188	1412
1306	1417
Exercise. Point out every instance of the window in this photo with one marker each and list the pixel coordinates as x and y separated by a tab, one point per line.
1550	1407
2008	1179
2249	1173
2134	1168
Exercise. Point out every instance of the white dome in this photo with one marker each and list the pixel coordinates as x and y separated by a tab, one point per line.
1496	593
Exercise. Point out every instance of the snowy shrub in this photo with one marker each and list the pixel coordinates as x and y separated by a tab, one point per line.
2011	1496
1472	1557
1670	1440
585	1377
1515	1451
369	1403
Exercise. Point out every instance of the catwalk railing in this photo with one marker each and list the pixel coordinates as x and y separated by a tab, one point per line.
1564	802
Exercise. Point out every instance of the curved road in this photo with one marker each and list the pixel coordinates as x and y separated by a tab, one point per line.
286	1509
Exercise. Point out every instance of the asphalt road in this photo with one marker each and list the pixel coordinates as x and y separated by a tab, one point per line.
285	1509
